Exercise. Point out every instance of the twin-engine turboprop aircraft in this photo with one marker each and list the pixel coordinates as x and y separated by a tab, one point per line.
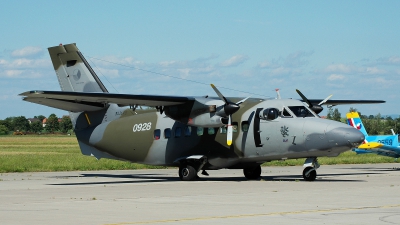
192	133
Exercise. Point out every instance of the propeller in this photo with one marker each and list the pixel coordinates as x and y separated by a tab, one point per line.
316	108
229	109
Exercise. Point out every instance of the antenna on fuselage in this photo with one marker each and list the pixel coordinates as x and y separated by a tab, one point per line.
278	96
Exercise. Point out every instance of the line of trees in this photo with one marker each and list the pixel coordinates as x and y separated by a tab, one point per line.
375	125
22	124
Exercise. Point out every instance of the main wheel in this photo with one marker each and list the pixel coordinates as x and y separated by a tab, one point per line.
309	173
252	173
187	173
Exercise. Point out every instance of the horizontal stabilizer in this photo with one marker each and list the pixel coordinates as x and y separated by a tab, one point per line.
92	101
67	105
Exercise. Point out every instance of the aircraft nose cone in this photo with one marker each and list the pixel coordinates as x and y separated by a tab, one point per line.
355	137
346	136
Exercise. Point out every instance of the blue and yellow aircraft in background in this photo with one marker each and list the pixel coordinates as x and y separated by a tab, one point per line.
386	145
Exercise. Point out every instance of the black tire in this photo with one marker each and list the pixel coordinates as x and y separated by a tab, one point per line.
187	173
252	173
311	176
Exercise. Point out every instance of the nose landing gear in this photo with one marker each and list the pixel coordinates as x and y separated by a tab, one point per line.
310	171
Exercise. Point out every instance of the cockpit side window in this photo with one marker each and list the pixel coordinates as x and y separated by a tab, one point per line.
301	111
285	113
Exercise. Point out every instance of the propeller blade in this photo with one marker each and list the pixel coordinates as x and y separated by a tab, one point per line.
316	108
219	94
326	99
229	132
241	101
304	98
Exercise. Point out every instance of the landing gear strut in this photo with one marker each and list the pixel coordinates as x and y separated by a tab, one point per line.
310	171
252	173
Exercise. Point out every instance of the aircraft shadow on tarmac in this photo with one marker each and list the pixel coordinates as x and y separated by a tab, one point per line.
155	178
375	169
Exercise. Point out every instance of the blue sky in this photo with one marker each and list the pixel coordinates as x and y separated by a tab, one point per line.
346	48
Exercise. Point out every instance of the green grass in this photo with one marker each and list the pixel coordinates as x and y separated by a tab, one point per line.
62	153
52	153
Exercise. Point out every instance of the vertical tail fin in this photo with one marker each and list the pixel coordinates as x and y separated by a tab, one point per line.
354	120
73	71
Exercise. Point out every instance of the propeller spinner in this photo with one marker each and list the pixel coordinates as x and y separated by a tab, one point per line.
316	108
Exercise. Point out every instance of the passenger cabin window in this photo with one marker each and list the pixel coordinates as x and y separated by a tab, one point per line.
188	131
167	133
222	130
178	132
157	134
234	127
301	111
200	131
245	126
211	130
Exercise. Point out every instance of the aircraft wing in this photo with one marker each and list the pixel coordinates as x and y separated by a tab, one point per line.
92	101
381	149
344	102
376	145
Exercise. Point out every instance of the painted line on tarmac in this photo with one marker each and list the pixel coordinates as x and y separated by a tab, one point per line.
255	215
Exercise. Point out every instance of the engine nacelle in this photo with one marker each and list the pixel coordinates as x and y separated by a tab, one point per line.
204	120
204	112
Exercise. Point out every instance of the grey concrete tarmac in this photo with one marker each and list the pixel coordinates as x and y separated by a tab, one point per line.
342	194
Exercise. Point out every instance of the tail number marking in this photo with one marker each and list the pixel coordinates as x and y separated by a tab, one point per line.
141	127
386	141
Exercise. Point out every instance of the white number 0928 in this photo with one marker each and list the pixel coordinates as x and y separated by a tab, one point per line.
141	127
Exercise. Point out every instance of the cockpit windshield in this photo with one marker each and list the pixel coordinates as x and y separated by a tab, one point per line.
301	111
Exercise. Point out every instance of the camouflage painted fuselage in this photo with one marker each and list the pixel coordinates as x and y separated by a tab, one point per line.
187	128
255	140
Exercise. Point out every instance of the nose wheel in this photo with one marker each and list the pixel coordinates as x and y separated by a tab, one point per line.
310	171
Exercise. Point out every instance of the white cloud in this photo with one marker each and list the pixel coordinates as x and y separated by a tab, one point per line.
184	72
24	63
392	60
234	61
26	52
336	77
109	73
20	74
113	61
341	68
11	73
374	70
280	71
167	63
265	64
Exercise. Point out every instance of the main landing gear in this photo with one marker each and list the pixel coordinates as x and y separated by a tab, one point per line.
187	173
310	171
190	166
252	173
